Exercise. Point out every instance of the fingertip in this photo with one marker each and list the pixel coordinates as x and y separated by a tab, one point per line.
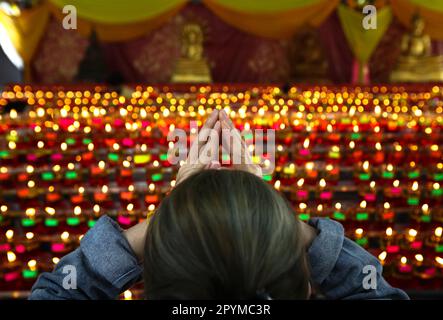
214	114
223	114
216	111
214	165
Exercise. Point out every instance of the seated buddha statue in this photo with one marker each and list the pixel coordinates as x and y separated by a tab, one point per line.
191	67
309	63
416	62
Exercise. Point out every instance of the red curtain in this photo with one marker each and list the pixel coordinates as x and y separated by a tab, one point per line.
234	56
59	55
337	51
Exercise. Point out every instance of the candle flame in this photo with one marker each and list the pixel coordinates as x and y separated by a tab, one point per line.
389	231
11	256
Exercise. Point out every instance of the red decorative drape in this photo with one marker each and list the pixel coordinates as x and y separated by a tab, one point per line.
385	56
234	56
59	55
337	50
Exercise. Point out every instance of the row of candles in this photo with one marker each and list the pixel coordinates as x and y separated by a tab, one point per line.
12	161
24	261
376	96
72	155
307	180
39	229
130	210
312	125
287	165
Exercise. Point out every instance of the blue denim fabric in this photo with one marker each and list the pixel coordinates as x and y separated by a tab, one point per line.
337	266
106	266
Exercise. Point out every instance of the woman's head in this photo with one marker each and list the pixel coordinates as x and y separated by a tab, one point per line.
223	234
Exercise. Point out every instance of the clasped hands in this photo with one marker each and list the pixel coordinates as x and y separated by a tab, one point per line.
204	151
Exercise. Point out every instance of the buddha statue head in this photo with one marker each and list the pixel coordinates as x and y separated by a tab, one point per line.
192	34
192	41
418	25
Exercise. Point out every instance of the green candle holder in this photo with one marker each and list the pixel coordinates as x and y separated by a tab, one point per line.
413	201
304	216
337	215
364	176
387	175
29	274
73	221
362	216
51	222
28	222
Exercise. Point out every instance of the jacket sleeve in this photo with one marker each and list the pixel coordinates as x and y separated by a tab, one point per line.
338	266
102	267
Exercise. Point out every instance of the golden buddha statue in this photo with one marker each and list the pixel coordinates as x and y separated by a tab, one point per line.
309	62
416	62
192	67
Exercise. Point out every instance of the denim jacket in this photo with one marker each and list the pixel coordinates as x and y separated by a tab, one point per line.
105	266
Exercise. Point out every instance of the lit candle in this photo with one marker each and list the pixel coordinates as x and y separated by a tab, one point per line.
423	268
439	262
11	270
127	295
387	213
382	257
301	194
63	245
437	191
304	152
31	272
435	240
324	194
289	170
404	267
362	213
423	214
310	170
365	173
360	238
303	212
438	172
414	172
394	191
103	195
379	155
414	194
371	193
391	245
412	241
334	153
338	214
